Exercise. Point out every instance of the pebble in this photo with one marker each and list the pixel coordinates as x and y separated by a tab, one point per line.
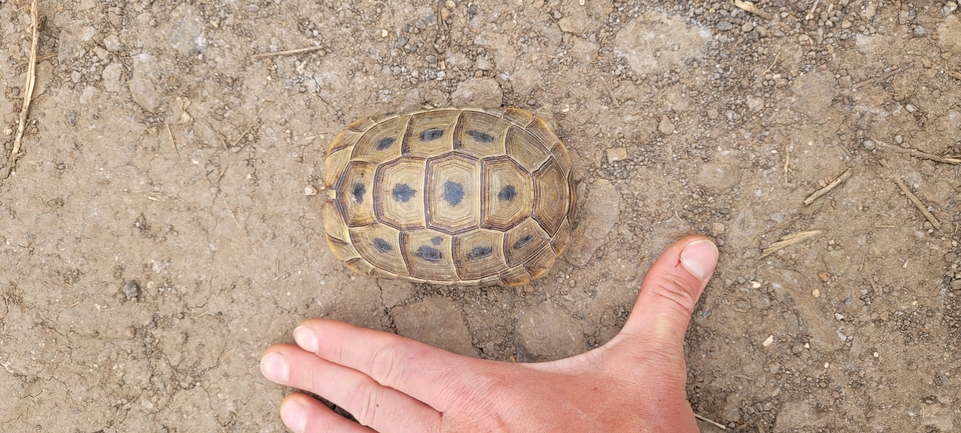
615	154
898	139
718	177
478	92
665	126
868	144
131	289
724	26
755	104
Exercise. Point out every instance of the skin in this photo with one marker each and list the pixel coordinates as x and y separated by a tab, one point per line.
390	383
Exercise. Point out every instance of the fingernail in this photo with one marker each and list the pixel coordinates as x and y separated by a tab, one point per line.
294	416
274	367
699	258
306	338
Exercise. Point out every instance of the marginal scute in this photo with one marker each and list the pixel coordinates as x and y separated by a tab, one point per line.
467	196
515	276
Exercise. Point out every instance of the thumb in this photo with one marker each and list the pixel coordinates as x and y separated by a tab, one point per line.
671	289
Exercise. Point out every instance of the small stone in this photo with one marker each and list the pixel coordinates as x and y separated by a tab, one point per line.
310	191
724	26
131	289
712	114
816	293
478	92
747	27
717	229
769	341
755	104
921	31
898	139
910	108
615	154
868	144
718	177
949	8
904	17
665	126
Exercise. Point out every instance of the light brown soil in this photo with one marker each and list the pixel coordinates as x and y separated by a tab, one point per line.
161	228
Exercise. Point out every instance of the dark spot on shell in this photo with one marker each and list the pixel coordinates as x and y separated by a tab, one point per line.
480	136
453	193
436	240
385	143
523	241
358	192
480	252
382	245
430	254
507	193
402	192
431	134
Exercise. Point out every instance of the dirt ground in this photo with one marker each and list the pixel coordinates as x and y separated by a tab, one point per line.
163	224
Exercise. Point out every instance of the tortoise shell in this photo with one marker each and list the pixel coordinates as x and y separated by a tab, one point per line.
463	196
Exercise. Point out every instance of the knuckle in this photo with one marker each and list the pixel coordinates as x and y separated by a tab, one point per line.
677	291
364	400
385	364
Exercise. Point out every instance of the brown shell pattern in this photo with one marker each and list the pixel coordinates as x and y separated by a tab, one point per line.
463	196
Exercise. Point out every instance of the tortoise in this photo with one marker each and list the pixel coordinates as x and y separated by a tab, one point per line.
449	196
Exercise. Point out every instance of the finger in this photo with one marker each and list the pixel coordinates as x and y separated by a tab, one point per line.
671	289
431	375
304	414
372	404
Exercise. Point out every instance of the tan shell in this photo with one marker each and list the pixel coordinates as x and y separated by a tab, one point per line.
461	196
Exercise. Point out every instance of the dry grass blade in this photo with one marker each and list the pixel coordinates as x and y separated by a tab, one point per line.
286	53
27	95
715	424
787	241
918	153
917	203
817	194
749	7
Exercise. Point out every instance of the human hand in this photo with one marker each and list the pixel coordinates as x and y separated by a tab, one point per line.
390	383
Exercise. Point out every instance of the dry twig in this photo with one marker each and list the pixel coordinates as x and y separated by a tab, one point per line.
720	426
817	194
917	202
889	74
27	95
749	7
787	241
285	53
810	14
918	153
